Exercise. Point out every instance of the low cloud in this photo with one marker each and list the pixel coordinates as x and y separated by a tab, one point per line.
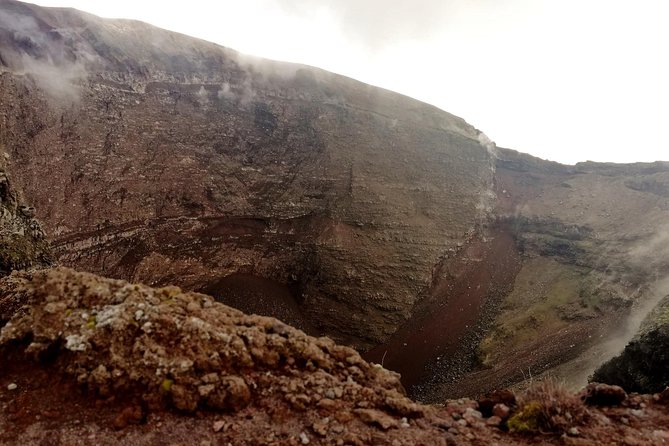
54	58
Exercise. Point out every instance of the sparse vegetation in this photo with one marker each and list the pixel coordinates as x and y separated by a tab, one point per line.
548	297
549	407
531	309
263	380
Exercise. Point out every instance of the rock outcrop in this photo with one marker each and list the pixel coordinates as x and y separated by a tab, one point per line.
643	366
88	360
22	241
182	350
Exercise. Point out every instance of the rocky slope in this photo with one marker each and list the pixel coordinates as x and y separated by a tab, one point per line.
643	366
593	259
344	209
22	241
88	360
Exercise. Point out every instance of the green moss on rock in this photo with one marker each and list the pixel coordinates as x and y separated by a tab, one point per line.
527	419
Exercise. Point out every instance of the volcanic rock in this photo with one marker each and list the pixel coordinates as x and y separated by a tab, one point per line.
22	241
146	360
598	394
643	366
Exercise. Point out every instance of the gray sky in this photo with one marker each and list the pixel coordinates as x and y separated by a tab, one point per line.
566	80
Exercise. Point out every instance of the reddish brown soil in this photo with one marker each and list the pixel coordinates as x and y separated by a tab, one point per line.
522	365
464	293
45	396
453	309
49	408
54	391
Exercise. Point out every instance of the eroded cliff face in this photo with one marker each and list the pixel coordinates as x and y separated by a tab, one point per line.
171	160
587	259
341	208
22	242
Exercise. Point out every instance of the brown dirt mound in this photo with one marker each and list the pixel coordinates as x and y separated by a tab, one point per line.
184	351
87	360
178	348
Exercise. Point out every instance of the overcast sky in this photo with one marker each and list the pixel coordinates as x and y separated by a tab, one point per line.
566	80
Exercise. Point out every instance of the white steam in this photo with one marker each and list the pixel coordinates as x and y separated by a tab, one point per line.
203	96
488	143
650	255
59	82
225	93
54	59
487	197
243	93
